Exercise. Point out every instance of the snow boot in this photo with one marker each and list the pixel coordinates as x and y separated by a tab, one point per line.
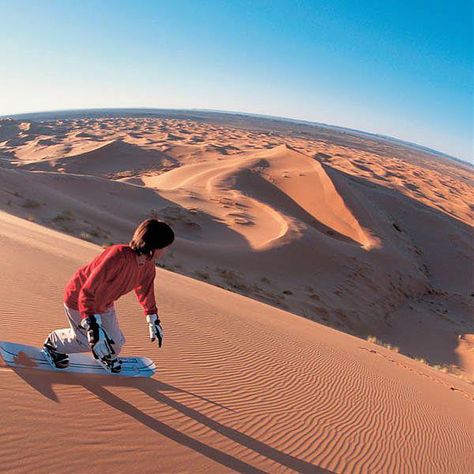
111	364
55	358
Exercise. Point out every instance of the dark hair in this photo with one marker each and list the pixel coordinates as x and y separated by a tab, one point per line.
150	235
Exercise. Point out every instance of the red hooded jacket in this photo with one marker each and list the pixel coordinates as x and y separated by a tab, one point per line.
115	272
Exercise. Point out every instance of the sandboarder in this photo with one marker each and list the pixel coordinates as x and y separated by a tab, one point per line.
90	295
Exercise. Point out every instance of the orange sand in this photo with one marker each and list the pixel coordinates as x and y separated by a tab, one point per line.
351	235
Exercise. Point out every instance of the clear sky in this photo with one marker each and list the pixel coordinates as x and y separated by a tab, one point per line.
399	68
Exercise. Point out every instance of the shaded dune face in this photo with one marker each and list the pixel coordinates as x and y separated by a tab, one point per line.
114	159
366	237
303	181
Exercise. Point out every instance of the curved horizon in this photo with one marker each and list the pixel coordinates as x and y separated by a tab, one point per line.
374	135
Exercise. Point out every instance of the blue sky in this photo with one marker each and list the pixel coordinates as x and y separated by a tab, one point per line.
403	69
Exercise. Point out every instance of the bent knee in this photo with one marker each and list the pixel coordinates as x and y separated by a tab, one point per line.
119	344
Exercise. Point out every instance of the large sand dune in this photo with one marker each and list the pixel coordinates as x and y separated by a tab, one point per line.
369	237
114	158
293	183
241	386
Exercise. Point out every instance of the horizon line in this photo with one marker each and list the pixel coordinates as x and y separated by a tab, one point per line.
252	114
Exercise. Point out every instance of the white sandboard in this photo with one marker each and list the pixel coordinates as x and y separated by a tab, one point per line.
23	356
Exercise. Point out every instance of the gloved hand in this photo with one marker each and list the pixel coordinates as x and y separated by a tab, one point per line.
154	326
99	342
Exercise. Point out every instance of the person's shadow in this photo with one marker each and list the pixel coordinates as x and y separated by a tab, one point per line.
44	383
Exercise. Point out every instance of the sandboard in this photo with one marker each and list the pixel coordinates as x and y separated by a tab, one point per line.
23	356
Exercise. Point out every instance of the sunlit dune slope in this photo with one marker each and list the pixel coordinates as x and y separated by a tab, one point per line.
291	180
241	386
304	180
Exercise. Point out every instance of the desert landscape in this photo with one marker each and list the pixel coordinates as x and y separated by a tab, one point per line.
317	302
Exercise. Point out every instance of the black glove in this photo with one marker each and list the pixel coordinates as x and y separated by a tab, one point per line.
99	342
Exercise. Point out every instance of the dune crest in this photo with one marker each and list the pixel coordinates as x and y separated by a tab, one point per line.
305	181
298	178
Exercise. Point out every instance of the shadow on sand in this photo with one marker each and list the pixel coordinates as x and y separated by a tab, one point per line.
428	339
44	383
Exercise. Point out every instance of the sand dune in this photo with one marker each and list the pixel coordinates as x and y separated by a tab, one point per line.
76	204
207	180
241	386
291	178
304	181
369	238
115	158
